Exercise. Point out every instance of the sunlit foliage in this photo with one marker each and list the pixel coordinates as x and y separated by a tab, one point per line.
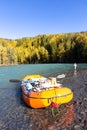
48	48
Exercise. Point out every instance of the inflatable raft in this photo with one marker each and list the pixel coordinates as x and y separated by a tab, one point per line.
41	92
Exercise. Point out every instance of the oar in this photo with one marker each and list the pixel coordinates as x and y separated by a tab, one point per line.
61	76
15	80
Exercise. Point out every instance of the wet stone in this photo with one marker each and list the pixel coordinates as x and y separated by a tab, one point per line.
77	127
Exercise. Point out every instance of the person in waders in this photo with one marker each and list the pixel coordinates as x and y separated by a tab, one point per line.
75	66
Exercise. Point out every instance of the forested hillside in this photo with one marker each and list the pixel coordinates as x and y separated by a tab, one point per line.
49	48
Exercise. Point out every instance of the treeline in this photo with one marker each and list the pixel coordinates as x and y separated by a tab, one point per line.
49	48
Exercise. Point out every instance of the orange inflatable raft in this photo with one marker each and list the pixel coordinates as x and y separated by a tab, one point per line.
41	92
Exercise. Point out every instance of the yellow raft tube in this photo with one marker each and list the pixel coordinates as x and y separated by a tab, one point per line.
46	97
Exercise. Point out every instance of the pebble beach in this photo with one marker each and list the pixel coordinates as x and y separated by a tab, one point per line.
16	115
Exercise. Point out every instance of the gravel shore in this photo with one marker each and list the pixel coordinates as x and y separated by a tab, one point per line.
16	115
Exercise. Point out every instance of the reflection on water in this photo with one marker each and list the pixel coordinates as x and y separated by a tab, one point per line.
75	72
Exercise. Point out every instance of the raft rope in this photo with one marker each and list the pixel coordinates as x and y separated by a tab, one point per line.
50	97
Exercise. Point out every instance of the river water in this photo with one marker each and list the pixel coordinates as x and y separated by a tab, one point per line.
19	71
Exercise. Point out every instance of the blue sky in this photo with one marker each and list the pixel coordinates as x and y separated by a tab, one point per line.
28	18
